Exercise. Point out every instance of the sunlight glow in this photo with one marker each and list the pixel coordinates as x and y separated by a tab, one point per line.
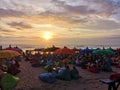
47	35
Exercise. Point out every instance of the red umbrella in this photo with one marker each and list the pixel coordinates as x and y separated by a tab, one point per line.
14	49
64	50
75	50
118	50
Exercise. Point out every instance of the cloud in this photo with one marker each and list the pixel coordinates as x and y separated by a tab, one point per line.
10	12
5	30
87	7
104	25
19	25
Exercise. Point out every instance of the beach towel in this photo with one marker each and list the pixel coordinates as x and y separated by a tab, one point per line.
9	81
47	77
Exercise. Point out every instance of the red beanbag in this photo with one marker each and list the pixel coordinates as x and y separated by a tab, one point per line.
93	69
115	76
118	66
33	61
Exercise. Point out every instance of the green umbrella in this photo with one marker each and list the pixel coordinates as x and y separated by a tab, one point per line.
103	52
111	49
108	52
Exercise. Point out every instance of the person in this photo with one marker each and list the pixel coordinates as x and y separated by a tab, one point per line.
2	73
75	73
14	67
0	47
107	65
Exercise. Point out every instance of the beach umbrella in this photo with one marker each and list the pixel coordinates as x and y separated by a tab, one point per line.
107	51
75	50
51	49
110	49
64	50
118	50
87	50
38	49
8	53
103	52
14	49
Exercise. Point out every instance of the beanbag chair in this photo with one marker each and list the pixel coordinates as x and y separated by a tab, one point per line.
49	63
47	77
35	65
13	70
75	74
60	64
64	75
118	66
93	69
83	66
115	76
49	68
9	81
33	61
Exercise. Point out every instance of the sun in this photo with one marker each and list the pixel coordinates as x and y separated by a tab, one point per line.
47	35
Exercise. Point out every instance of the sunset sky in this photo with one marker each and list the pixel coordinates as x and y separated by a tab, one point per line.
65	22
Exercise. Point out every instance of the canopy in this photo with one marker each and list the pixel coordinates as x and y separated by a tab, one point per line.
106	51
8	53
64	50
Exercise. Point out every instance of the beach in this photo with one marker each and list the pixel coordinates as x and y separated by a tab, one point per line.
90	81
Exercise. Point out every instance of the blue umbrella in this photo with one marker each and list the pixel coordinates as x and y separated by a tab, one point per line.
87	50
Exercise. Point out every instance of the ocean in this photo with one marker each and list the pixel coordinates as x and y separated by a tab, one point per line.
70	42
31	47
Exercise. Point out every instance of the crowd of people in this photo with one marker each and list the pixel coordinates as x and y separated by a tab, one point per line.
11	65
63	66
91	62
85	61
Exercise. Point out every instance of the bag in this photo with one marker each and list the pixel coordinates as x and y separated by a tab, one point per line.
9	82
47	77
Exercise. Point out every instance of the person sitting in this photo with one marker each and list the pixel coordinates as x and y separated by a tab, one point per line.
64	73
107	66
75	73
14	67
93	68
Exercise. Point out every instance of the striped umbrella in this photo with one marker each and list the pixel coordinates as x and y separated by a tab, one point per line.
8	53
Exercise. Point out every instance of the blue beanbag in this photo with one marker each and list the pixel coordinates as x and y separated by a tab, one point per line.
64	74
47	77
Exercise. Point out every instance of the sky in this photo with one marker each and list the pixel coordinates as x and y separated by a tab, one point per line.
68	22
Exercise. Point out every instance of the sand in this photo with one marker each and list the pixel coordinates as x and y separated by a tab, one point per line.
90	81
